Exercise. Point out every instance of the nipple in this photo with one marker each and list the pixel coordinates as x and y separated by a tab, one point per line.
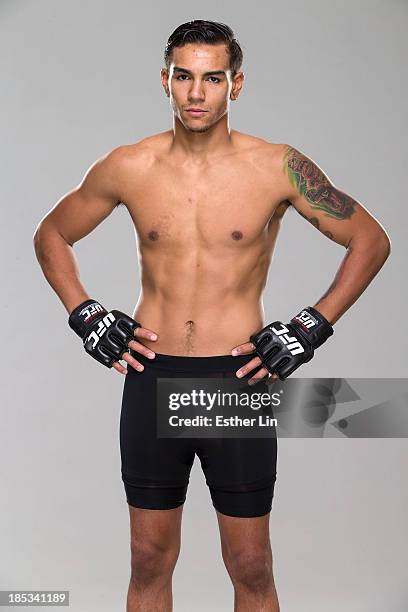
153	235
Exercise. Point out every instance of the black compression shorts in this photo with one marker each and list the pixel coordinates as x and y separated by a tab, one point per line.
240	472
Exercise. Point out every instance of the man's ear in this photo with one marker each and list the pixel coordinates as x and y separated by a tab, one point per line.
237	85
164	75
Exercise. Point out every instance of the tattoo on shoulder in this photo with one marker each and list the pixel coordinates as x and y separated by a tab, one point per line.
310	182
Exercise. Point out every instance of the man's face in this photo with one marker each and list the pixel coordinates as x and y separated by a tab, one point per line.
200	78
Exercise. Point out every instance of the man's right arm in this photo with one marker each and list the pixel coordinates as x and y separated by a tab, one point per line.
74	216
107	336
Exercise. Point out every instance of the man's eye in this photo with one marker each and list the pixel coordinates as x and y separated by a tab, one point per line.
183	76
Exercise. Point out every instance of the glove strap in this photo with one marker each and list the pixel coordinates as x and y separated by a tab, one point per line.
85	315
313	326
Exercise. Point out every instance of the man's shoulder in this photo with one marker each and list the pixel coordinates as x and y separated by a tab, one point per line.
264	153
260	146
142	152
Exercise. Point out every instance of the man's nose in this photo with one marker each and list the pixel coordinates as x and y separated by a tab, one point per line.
196	91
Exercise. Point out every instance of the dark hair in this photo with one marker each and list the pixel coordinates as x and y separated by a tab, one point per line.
207	32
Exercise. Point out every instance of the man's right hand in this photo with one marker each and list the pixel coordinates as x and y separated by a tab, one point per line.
108	336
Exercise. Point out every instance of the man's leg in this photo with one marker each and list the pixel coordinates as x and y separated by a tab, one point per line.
247	554
155	546
155	473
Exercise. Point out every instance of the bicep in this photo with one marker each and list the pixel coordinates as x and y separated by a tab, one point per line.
78	212
333	212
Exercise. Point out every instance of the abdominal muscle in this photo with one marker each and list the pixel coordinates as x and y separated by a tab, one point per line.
200	306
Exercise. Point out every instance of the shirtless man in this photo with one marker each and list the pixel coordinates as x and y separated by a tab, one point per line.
207	203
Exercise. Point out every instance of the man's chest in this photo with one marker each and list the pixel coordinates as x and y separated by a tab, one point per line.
217	206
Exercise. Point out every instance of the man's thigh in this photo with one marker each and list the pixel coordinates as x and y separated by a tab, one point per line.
155	530
249	535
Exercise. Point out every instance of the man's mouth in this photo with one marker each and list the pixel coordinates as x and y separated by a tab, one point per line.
195	111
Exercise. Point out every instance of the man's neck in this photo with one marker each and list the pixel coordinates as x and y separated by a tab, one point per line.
200	147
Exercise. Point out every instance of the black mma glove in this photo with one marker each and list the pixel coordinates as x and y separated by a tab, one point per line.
283	348
105	334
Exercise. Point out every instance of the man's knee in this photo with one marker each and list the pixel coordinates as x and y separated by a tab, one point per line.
251	569
151	561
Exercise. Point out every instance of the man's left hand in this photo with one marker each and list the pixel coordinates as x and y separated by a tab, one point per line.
246	349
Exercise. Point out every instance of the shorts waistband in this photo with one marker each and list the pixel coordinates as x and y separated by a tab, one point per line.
184	363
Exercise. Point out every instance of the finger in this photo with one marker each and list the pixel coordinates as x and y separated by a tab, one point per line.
248	367
243	349
272	378
132	362
143	332
258	376
119	367
141	348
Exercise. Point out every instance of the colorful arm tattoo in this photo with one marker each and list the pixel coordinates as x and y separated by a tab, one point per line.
316	188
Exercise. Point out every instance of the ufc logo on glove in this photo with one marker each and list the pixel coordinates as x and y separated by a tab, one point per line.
91	310
292	344
306	319
97	333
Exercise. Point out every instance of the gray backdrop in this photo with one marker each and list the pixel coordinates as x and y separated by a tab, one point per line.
82	77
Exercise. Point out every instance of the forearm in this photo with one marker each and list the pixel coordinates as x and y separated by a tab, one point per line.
364	258
59	265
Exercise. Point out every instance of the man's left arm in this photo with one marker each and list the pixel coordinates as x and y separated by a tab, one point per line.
281	348
342	219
